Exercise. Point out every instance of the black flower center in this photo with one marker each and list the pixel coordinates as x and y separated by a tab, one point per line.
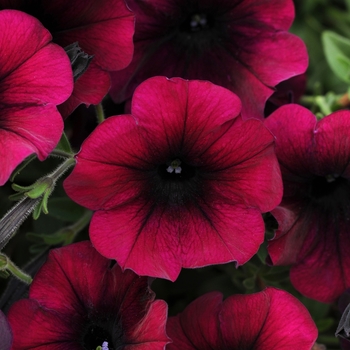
196	22
96	336
176	182
330	191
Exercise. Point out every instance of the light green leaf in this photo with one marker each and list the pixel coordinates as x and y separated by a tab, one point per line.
65	209
64	145
337	52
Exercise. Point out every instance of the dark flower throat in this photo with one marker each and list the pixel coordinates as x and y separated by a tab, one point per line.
176	170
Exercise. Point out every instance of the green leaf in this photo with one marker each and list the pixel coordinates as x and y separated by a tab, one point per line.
65	209
37	248
337	51
64	145
317	309
262	253
324	324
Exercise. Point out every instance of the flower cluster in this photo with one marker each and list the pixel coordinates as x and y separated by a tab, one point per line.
203	162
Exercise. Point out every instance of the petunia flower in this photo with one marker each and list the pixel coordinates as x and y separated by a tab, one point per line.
268	320
102	28
35	76
179	183
81	300
313	217
242	45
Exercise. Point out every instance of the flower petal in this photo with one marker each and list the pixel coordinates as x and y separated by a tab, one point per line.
194	236
24	131
243	322
249	321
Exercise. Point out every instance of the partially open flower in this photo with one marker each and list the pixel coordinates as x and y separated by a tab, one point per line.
314	216
181	182
81	300
35	76
269	320
242	45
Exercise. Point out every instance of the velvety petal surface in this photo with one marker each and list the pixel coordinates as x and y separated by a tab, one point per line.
104	30
198	326
36	327
150	333
271	319
90	88
249	56
24	131
189	237
230	176
66	296
313	216
35	76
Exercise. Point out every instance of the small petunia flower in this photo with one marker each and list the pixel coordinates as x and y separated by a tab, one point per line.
181	182
242	45
269	320
314	215
81	300
35	76
102	28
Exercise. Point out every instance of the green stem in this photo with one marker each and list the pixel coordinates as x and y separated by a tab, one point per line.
13	219
99	113
15	270
308	100
320	101
62	168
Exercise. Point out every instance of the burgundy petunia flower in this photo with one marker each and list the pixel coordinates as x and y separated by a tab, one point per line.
35	76
314	216
242	45
179	183
102	28
268	320
80	300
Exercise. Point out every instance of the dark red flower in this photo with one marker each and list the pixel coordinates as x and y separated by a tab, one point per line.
80	300
241	45
35	76
102	28
179	183
269	320
314	216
